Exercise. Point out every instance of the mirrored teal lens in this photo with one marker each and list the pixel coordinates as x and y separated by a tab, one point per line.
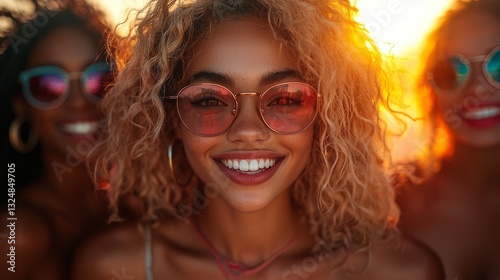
461	70
493	67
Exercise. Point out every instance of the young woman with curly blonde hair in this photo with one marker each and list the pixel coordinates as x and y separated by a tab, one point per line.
454	209
249	131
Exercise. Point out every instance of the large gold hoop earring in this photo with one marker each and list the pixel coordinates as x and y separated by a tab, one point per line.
16	139
170	153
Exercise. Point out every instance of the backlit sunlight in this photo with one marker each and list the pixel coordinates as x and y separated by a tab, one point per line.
399	27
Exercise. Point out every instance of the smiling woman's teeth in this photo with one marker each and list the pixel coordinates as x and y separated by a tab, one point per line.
482	113
246	165
81	127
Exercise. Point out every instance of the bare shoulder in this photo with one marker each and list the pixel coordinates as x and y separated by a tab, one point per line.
28	229
118	251
404	258
28	242
397	259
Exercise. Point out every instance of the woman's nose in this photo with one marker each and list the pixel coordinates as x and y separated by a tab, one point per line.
248	127
76	97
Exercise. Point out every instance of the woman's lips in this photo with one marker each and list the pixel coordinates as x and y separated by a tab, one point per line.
481	116
80	128
249	168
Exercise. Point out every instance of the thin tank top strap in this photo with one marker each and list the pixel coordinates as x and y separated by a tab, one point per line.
148	251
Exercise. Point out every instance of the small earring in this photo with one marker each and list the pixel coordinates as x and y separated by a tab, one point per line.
170	153
170	159
16	139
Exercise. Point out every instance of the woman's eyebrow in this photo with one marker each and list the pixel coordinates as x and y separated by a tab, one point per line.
280	75
224	79
213	77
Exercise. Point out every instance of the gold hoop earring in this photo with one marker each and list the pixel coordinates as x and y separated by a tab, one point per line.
170	159
170	153
16	140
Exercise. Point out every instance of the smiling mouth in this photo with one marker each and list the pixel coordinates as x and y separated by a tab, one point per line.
481	113
80	128
249	166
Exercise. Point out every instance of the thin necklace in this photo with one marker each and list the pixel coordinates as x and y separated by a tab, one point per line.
234	270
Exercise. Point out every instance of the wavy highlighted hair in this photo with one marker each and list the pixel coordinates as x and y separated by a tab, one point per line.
343	193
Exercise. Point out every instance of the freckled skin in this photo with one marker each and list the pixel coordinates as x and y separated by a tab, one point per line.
246	59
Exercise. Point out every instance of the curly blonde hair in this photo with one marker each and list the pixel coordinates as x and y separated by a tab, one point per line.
344	192
433	50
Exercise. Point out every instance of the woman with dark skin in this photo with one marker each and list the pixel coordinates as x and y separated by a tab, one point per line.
250	133
51	197
455	210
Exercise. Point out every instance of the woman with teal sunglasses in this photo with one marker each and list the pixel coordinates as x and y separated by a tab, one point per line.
455	209
51	79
